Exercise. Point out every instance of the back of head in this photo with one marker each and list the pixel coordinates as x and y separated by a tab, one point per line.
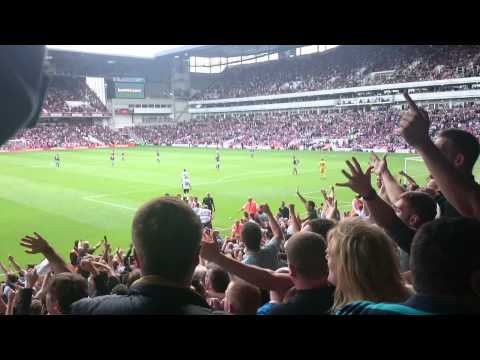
133	276
365	264
445	255
241	298
464	143
120	289
321	226
306	255
36	307
166	234
421	204
251	235
311	204
66	288
217	279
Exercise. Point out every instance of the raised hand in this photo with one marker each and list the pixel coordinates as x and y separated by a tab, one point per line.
35	244
414	124
379	165
31	278
209	250
358	181
332	212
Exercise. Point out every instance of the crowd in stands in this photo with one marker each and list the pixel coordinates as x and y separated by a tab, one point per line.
402	249
63	89
349	129
71	133
346	66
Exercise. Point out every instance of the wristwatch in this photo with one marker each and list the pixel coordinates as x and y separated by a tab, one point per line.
372	195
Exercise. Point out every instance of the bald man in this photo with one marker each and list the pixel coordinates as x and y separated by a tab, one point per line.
241	298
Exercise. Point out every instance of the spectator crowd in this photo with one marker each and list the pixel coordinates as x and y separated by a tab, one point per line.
402	250
346	66
350	129
62	89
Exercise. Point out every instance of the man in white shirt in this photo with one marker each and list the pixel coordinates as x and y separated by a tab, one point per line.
205	215
186	185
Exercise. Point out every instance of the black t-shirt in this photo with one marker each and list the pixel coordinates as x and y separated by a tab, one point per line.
284	212
401	234
446	209
312	214
209	202
307	302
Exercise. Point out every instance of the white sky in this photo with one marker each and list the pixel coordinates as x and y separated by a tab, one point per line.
127	50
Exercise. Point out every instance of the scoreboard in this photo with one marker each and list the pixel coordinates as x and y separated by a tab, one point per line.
129	88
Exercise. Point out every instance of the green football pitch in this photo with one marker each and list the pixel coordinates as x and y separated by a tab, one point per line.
87	198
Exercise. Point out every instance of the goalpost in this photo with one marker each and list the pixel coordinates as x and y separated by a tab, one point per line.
415	167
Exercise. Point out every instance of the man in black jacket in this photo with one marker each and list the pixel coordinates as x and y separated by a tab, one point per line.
166	234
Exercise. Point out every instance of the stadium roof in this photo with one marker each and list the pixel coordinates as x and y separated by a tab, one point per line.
225	50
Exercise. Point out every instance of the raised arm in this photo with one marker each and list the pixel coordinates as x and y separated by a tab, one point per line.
409	179
262	278
4	269
302	199
293	218
38	245
15	265
380	212
380	167
276	229
460	190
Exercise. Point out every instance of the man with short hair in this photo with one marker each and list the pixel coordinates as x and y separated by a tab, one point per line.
64	290
208	200
309	206
241	298
166	234
283	211
450	161
445	263
205	216
251	236
308	274
412	210
216	282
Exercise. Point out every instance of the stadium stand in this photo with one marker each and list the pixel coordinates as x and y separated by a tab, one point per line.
349	66
331	263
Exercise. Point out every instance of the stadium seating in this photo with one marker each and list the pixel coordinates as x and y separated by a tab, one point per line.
346	67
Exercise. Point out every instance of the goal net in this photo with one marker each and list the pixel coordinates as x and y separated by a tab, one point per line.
415	167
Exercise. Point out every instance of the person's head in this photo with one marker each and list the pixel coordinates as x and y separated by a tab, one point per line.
319	226
415	208
133	276
63	291
282	204
241	298
445	259
460	148
208	195
12	278
120	289
85	245
217	279
363	264
166	234
36	307
250	199
251	235
306	259
310	205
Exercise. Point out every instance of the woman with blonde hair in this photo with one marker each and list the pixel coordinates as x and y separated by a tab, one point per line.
363	264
